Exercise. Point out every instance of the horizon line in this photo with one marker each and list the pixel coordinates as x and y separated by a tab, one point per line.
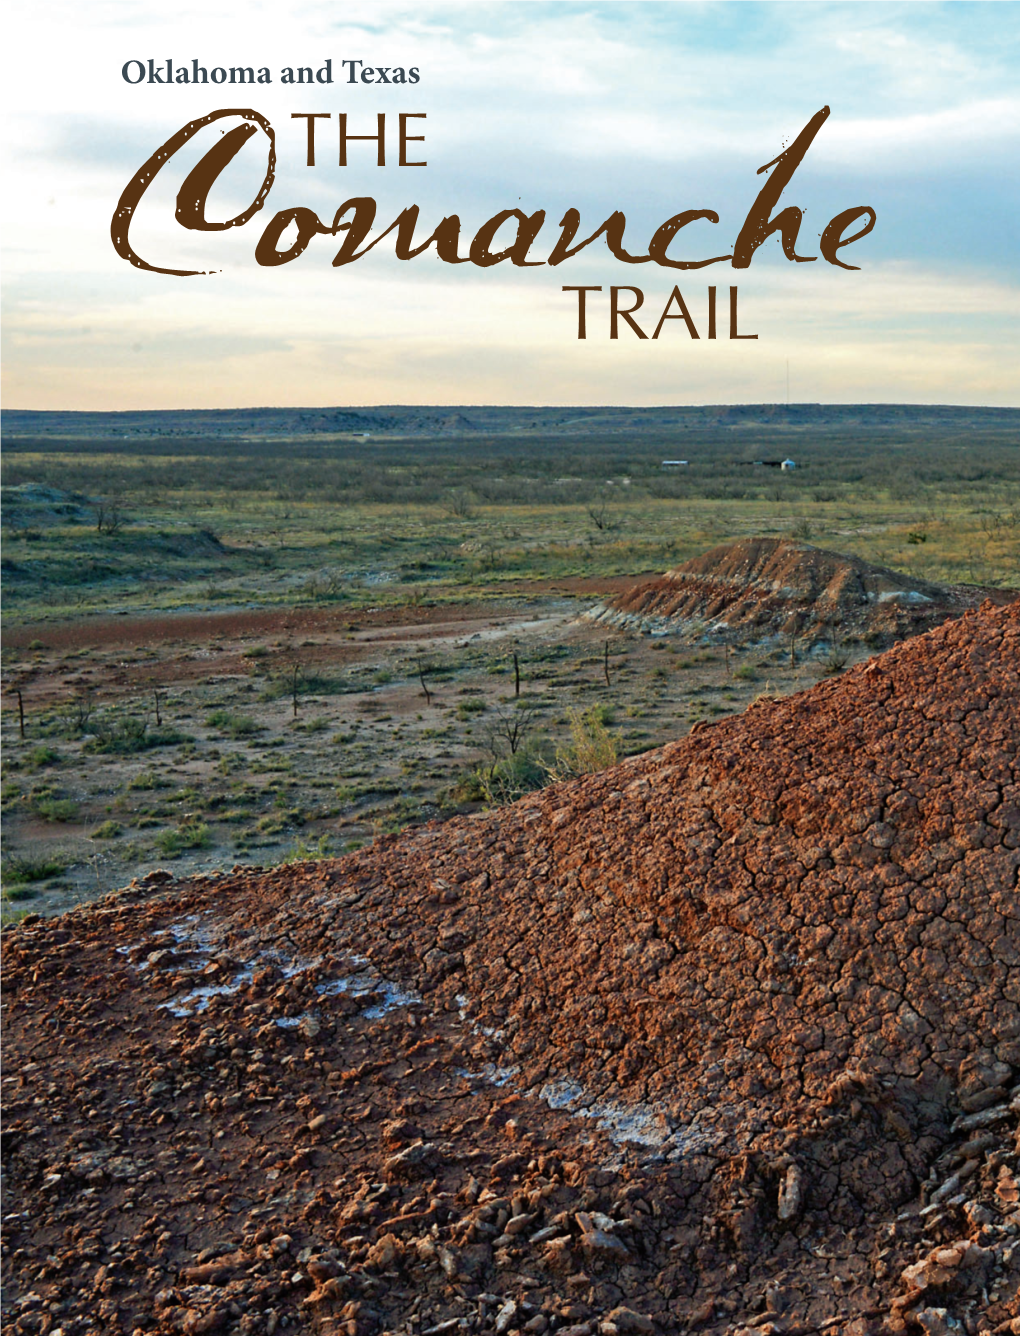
522	408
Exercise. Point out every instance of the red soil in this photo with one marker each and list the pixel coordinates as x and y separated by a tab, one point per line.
167	628
194	646
785	949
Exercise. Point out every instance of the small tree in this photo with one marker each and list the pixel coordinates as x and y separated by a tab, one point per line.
512	768
509	730
109	517
81	706
459	505
598	513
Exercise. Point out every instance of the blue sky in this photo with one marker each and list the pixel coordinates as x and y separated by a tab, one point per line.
646	107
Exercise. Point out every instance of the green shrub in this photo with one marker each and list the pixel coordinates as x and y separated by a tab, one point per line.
232	724
56	809
16	871
834	664
468	789
281	685
467	708
271	825
603	714
503	782
109	830
592	747
124	737
188	835
745	673
42	756
302	852
20	892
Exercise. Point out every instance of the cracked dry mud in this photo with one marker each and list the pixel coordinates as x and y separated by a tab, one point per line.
724	1039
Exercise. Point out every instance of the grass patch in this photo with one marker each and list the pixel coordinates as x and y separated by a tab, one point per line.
42	756
232	724
502	782
304	852
125	737
18	871
466	709
55	809
591	747
109	830
189	835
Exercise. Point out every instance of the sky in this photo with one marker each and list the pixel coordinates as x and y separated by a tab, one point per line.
647	108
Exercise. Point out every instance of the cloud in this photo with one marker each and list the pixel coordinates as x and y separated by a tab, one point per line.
989	126
647	107
904	333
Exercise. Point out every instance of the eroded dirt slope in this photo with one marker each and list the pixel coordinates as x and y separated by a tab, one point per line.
726	1037
765	587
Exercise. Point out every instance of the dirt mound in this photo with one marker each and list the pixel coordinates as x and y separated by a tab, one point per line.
31	504
724	1037
766	587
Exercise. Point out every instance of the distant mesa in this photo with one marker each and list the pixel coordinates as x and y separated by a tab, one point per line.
691	423
761	588
457	422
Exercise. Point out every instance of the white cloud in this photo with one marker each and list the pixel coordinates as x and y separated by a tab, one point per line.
650	108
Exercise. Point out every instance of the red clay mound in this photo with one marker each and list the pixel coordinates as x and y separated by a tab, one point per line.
726	1036
765	587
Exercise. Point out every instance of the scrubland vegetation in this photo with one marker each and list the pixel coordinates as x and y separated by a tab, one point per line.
420	568
164	524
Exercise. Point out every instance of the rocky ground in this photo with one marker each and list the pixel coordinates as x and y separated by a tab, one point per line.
766	588
724	1039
